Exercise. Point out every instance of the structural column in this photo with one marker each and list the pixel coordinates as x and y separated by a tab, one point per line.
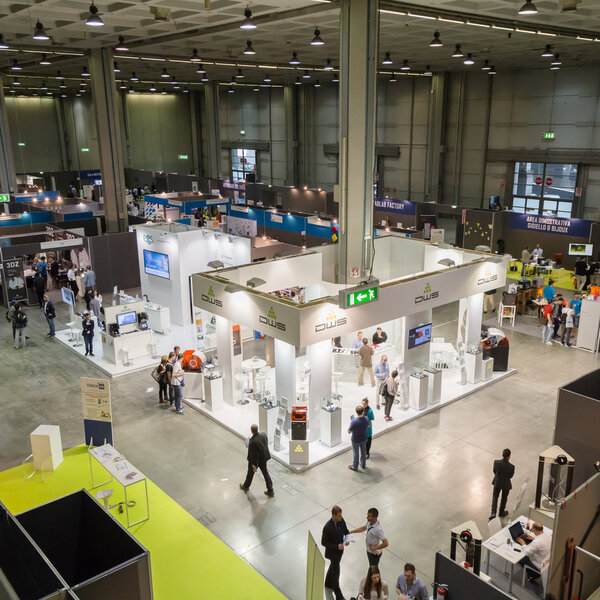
8	178
291	144
359	33
435	137
213	133
109	139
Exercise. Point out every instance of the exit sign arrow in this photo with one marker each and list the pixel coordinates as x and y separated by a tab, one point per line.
358	295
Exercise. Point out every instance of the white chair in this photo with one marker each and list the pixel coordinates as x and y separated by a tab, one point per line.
494	526
71	326
104	495
78	337
507	312
543	573
127	356
154	350
241	379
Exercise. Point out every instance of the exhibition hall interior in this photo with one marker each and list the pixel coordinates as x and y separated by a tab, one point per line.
301	300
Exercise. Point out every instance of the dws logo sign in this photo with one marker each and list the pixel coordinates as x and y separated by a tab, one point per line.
210	298
427	295
147	239
487	278
330	322
271	320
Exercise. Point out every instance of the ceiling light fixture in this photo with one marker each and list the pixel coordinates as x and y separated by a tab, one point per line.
486	66
63	85
130	90
317	84
85	72
204	77
59	75
387	60
405	66
239	75
200	69
256	89
249	49
298	81
134	77
554	67
547	53
195	58
469	60
152	88
164	74
335	78
121	47
44	60
83	83
248	23
556	60
428	70
230	90
317	41
492	71
116	68
94	19
123	86
306	75
457	52
294	60
436	42
328	65
15	81
528	8
3	44
267	79
393	78
39	33
15	66
43	86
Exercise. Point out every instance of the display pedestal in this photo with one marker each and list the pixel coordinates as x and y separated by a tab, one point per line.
331	427
487	369
194	385
298	452
213	393
136	344
473	364
434	387
46	447
159	318
418	388
267	417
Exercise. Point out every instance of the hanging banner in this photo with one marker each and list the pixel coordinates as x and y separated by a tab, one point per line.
97	412
14	275
564	226
398	206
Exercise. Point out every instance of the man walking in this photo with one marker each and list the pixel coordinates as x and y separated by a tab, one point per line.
381	372
258	455
375	538
332	539
366	362
50	314
20	320
89	279
388	391
503	472
581	270
358	428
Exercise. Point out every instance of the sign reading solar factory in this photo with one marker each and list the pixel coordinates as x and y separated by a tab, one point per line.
361	294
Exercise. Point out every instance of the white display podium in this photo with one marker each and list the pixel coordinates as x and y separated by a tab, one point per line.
487	369
194	385
138	342
418	389
331	427
213	392
434	387
473	365
267	418
589	324
159	318
46	447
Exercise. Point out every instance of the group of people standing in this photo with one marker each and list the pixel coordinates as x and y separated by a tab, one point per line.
561	316
169	376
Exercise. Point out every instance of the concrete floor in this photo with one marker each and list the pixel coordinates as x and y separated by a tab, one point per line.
426	477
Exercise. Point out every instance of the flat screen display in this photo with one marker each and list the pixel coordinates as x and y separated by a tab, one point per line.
494	202
157	264
580	249
128	318
67	296
419	335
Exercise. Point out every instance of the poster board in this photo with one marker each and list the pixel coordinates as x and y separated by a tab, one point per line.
14	276
315	570
97	411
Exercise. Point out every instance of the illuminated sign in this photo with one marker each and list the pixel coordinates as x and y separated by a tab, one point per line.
351	297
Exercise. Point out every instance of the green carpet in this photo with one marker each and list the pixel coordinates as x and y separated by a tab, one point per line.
563	279
188	561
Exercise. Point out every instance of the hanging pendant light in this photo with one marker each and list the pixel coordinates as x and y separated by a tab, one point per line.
317	41
39	33
248	23
121	47
436	42
249	49
457	52
294	60
94	19
387	59
195	58
528	8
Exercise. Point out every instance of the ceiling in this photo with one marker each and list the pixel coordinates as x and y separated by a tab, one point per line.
490	29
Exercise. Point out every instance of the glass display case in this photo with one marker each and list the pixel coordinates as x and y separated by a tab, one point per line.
212	372
330	403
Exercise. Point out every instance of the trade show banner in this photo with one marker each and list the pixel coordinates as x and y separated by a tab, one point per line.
97	413
564	226
398	206
242	227
14	276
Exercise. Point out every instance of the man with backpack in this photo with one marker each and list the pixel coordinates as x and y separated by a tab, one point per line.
20	320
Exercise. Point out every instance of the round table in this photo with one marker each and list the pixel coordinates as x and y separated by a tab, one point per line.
254	364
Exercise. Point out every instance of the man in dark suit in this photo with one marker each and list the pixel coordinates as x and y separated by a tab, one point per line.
258	455
503	472
333	539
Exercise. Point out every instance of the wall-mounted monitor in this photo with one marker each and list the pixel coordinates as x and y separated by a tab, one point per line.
494	202
580	249
67	296
157	264
419	335
128	318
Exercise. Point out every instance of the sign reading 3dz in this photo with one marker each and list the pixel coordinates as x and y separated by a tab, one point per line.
356	296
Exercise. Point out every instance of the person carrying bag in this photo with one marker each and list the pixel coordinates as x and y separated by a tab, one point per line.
388	392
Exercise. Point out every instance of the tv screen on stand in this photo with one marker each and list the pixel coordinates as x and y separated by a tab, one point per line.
419	335
157	264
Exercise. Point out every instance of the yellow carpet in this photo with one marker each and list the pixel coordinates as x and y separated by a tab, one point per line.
187	560
563	278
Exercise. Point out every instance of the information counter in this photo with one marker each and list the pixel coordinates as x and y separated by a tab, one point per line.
137	344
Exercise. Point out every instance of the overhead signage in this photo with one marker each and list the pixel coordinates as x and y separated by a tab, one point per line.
182	157
331	322
60	244
14	275
271	320
548	135
561	225
400	206
428	294
4	197
90	174
356	296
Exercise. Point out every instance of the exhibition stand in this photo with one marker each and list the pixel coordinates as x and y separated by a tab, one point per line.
311	372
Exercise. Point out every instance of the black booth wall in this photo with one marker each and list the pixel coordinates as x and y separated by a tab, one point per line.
114	258
293	199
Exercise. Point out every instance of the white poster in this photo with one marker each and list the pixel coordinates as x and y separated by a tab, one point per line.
95	396
243	227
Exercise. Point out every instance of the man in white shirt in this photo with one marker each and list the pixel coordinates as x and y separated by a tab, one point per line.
375	538
176	379
536	552
358	340
537	253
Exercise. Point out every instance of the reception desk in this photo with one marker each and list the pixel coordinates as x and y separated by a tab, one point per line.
138	342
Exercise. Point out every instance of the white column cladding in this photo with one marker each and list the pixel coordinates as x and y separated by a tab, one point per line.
473	306
225	354
319	359
285	375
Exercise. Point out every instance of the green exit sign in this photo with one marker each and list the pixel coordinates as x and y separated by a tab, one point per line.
548	135
85	149
20	143
182	157
4	198
356	296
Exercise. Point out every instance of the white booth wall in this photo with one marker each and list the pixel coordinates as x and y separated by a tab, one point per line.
189	251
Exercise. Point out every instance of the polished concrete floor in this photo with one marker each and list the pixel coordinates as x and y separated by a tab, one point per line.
425	477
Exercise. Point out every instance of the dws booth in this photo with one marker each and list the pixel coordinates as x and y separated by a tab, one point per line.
304	404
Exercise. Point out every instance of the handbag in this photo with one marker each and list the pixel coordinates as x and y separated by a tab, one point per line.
182	382
156	375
